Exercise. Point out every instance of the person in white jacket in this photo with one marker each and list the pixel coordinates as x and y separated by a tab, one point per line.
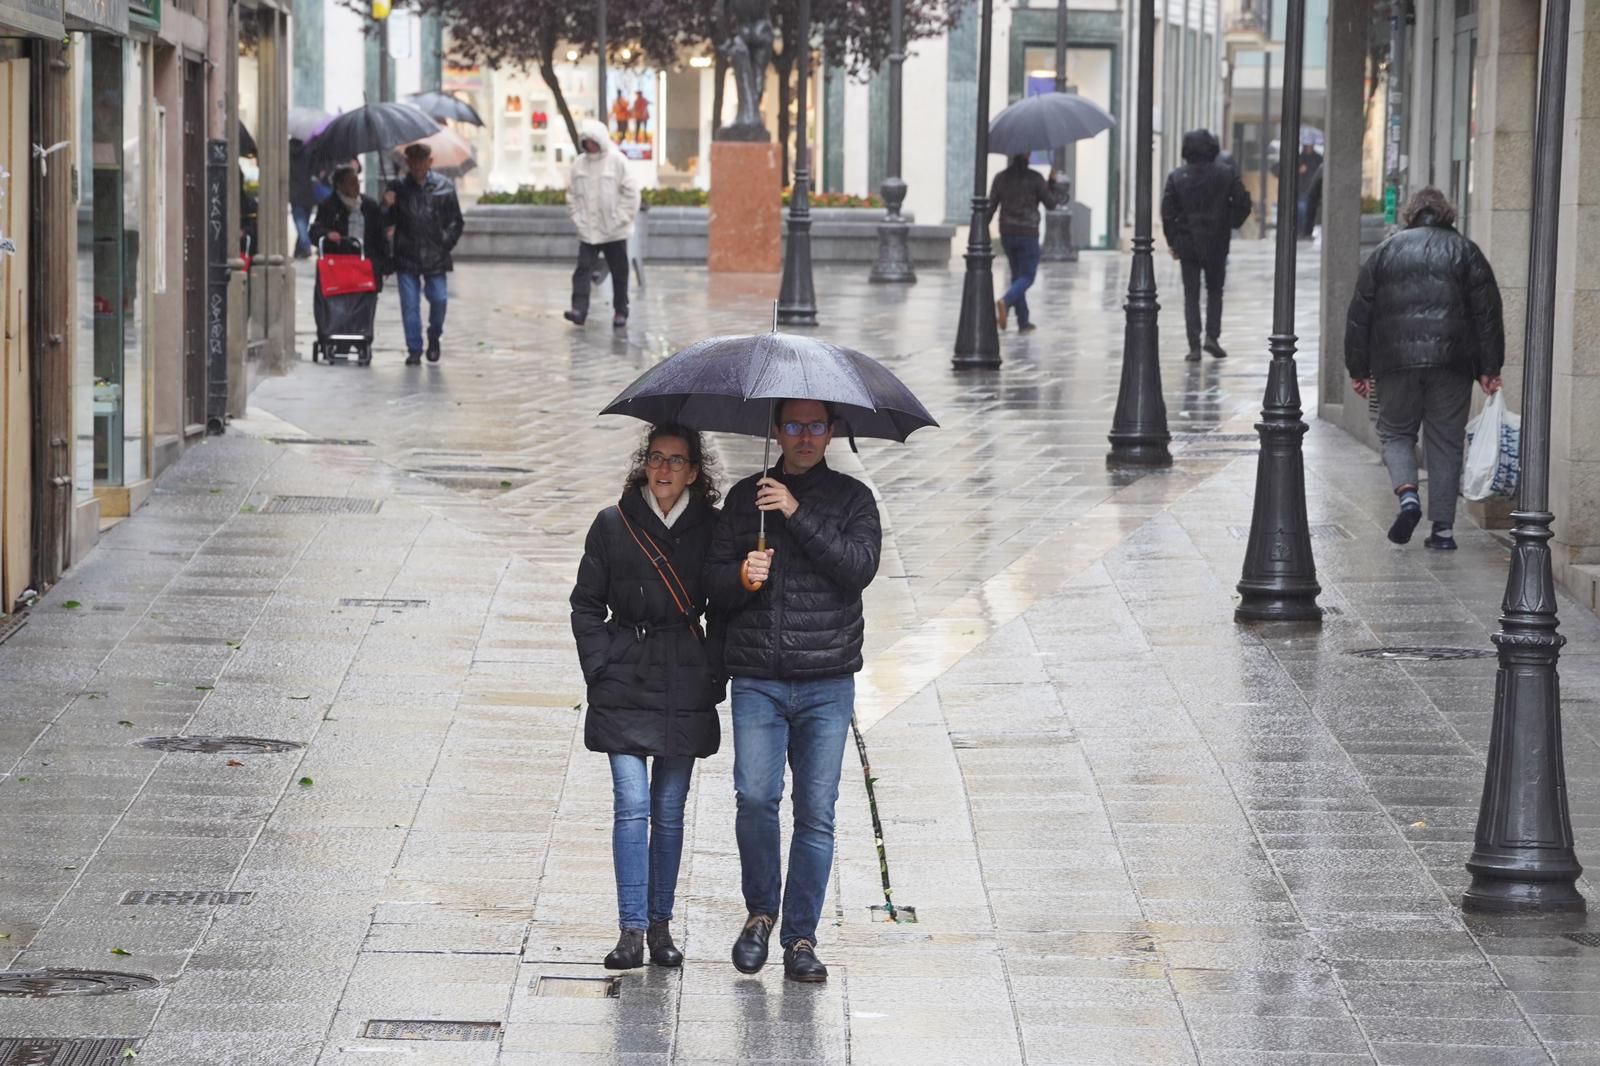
603	200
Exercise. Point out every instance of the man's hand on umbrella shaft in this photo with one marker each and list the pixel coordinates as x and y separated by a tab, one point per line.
758	566
773	495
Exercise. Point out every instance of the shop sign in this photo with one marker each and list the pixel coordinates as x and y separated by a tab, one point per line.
38	18
104	16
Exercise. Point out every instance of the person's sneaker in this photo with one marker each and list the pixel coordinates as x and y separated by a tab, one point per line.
629	952
433	351
577	318
750	950
1026	327
414	359
1405	523
1000	313
1443	538
1216	350
1193	356
619	321
663	952
800	963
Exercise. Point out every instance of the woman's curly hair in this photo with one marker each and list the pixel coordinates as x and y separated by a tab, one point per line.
704	486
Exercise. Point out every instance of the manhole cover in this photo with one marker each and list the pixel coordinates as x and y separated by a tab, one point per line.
472	468
392	1029
1216	438
50	1051
1422	654
187	898
899	916
320	505
351	442
220	745
1588	940
38	984
357	601
10	624
578	987
1323	531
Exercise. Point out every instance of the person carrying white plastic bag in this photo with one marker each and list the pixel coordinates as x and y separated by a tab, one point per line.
1494	452
1425	321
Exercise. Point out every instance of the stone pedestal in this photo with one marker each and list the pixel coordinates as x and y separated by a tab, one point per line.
746	218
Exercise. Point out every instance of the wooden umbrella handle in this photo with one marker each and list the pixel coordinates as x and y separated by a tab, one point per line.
744	567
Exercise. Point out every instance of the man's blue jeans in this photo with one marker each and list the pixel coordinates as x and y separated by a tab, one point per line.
412	288
647	835
1023	255
302	230
805	723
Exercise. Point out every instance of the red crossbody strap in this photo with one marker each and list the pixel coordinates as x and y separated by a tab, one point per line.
675	585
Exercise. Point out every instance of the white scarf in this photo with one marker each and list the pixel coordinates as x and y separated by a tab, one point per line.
358	220
655	508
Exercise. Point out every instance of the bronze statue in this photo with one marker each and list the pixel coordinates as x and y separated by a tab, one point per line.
748	50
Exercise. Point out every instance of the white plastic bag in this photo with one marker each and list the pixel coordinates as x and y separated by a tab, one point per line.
1494	452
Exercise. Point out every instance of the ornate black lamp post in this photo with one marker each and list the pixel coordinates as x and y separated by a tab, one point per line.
1280	575
1139	434
1523	859
894	253
797	295
604	114
977	332
1058	246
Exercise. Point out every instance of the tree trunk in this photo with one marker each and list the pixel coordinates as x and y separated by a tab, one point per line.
547	70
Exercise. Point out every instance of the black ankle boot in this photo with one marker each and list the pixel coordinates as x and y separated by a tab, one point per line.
750	950
629	952
663	952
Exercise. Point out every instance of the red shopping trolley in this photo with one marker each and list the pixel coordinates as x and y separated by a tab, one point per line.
345	303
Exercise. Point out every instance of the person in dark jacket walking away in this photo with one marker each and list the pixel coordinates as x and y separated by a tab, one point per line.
654	683
1203	203
348	215
302	197
1016	195
1425	321
426	219
794	629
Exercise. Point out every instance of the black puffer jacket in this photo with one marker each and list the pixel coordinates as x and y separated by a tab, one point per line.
1426	298
427	224
654	683
806	621
1203	202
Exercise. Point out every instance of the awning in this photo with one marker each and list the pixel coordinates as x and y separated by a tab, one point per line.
97	16
31	18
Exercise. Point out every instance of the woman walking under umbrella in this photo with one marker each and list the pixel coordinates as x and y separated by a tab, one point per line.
654	678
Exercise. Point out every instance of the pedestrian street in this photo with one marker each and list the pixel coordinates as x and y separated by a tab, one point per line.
1115	826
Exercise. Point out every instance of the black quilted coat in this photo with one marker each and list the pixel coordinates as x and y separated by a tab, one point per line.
427	224
653	682
1426	298
806	621
1203	203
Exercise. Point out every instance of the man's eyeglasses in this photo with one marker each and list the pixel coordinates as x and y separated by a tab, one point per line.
655	461
813	429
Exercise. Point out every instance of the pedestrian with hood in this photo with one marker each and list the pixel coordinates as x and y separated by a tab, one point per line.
794	627
653	677
602	198
1425	321
1016	195
426	219
1203	203
349	215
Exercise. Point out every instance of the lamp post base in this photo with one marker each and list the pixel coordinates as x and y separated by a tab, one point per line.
1277	603
893	266
1058	246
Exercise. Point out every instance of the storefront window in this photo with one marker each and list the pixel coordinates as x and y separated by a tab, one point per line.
1089	73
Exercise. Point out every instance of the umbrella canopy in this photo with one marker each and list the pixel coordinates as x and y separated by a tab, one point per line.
247	143
306	122
451	154
729	384
1049	120
372	128
445	106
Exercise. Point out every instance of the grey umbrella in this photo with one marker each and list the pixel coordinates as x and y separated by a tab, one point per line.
306	122
1047	121
445	106
372	128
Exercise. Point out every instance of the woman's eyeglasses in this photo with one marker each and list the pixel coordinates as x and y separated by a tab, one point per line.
655	461
813	429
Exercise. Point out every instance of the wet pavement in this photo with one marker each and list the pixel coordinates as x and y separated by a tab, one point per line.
1132	832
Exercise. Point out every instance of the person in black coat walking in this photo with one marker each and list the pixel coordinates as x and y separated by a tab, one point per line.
348	215
654	681
1203	203
422	210
1425	321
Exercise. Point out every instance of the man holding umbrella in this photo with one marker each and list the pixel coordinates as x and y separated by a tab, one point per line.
422	209
794	630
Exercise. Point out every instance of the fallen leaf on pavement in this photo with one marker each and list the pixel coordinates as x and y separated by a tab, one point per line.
306	782
119	951
235	762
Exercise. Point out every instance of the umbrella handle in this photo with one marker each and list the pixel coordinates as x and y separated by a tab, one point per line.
744	573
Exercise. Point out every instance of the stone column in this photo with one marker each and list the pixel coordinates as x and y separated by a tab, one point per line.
1348	26
309	30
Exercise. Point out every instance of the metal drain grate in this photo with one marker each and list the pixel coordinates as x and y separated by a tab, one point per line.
220	745
50	1051
1010	740
1215	438
349	442
485	469
1588	940
359	601
578	987
320	505
41	984
184	898
901	915
10	624
1323	531
1422	654
396	1029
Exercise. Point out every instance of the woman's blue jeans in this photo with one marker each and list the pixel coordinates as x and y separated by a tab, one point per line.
647	835
1023	255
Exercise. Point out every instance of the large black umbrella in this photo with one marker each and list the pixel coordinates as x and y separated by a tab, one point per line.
371	128
1047	121
445	106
